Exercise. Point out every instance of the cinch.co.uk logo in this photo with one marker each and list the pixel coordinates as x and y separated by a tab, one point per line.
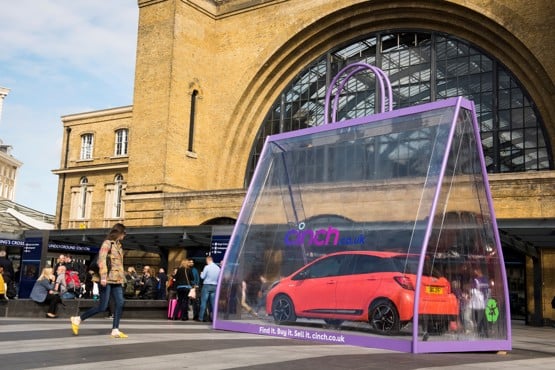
320	237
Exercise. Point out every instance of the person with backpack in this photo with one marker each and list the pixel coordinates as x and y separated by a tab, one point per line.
110	280
73	284
79	274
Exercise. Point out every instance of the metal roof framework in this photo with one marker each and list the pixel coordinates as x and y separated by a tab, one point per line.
15	219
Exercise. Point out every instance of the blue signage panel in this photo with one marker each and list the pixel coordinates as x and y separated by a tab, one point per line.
73	248
12	243
51	246
218	247
30	265
32	249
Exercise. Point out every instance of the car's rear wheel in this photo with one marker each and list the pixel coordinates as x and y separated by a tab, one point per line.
383	317
283	309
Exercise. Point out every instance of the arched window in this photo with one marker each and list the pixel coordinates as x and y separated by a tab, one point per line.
121	142
82	211
118	194
114	207
422	67
194	95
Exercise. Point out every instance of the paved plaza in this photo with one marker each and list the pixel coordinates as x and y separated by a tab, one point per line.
160	344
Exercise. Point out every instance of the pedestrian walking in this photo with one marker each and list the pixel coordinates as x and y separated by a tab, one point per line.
111	281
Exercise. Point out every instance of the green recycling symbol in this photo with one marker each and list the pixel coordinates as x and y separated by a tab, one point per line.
492	311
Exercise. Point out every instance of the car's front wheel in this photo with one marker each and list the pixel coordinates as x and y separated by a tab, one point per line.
383	317
283	309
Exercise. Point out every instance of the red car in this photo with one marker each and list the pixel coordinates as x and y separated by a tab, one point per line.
375	287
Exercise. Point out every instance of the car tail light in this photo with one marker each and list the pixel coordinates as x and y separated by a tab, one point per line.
404	282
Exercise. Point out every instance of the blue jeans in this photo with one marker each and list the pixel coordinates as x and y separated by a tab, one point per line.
116	292
68	295
208	292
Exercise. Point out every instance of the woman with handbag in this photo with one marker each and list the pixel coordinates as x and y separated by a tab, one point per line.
183	278
194	293
110	277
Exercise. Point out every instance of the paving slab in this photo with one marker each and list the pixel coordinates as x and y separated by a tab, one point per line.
27	343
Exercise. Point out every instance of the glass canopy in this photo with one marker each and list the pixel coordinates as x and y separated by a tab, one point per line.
423	67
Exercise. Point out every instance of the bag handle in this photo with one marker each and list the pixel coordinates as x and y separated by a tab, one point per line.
187	277
351	70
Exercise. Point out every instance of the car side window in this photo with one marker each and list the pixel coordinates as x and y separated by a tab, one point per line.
365	264
362	264
323	268
385	265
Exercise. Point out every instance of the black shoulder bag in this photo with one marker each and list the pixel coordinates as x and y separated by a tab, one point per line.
94	263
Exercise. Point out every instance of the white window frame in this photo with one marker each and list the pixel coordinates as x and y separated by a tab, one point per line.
87	146
114	207
122	142
81	200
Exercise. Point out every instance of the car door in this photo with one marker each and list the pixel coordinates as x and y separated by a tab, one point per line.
358	284
315	291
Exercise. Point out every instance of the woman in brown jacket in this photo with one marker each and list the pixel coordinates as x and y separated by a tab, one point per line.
111	281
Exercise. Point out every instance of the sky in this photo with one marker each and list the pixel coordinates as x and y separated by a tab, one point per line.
59	57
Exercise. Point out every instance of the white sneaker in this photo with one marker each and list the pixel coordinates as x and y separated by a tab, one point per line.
118	334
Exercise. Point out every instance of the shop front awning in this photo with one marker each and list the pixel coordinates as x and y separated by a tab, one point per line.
147	239
527	235
524	236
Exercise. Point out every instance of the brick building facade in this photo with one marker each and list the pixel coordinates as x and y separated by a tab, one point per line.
209	71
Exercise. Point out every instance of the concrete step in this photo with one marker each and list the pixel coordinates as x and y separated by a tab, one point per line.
134	308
